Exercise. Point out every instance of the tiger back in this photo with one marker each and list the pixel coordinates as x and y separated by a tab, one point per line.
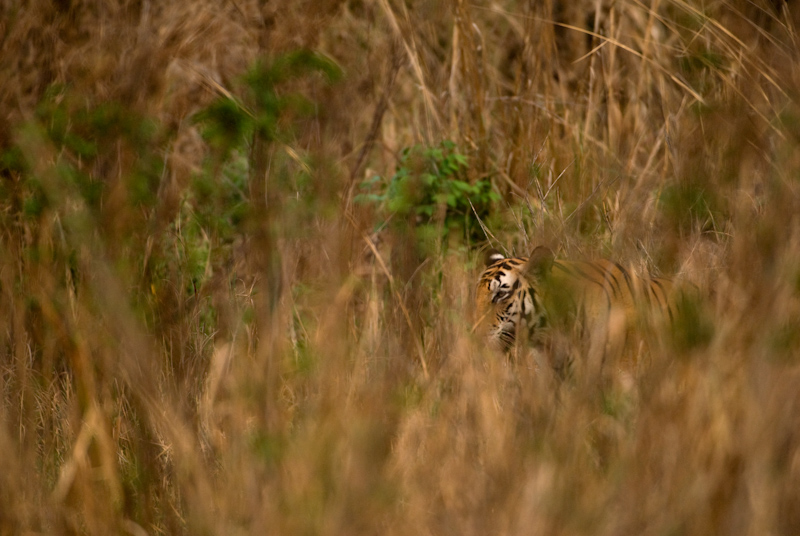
522	299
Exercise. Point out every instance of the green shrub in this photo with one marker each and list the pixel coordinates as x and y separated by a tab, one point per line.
430	183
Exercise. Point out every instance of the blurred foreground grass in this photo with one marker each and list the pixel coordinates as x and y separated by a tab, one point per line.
211	327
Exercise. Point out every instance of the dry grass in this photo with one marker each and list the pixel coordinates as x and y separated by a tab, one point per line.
170	365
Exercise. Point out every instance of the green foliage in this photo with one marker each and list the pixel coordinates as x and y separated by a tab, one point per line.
12	160
783	341
220	202
218	206
87	129
688	206
409	396
89	136
264	78
692	328
268	448
697	63
34	203
430	183
227	123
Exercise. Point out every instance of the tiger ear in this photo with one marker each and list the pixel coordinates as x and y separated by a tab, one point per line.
540	262
492	256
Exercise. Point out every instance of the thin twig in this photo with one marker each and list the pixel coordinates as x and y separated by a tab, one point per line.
485	229
589	198
377	119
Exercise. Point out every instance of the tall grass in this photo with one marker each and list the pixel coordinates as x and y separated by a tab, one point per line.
204	332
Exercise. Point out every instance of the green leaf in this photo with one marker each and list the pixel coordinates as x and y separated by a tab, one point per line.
371	181
225	124
428	179
425	210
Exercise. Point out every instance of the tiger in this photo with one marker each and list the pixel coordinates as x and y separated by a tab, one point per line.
522	298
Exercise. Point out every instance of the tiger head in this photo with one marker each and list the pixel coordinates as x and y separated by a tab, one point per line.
507	298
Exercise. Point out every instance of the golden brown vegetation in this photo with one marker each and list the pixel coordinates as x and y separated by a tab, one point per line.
204	333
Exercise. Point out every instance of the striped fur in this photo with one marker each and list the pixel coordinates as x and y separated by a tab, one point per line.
522	297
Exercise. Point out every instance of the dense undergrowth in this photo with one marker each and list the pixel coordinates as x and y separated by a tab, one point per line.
239	243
